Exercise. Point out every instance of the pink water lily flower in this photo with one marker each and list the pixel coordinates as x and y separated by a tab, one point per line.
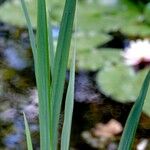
138	52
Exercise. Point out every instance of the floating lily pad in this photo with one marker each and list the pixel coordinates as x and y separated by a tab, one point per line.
86	19
11	11
92	60
124	16
138	29
122	84
117	81
89	40
147	13
106	18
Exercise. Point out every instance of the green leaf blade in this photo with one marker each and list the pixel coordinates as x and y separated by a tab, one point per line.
43	78
65	138
133	118
29	25
60	63
28	135
42	71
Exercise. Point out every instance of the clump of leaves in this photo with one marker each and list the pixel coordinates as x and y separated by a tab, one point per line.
50	72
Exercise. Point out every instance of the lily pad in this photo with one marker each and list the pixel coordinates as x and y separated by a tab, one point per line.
147	13
92	60
90	40
123	84
106	18
11	11
124	16
137	30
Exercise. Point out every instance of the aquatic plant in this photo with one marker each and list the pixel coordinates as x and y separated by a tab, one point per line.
50	71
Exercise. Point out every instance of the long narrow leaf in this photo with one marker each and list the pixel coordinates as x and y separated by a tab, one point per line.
133	118
60	63
28	135
29	25
65	138
43	78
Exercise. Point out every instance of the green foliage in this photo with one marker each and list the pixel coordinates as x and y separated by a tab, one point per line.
14	7
28	136
147	13
90	40
60	62
133	118
49	97
122	83
105	18
29	25
95	59
65	138
123	16
117	81
43	78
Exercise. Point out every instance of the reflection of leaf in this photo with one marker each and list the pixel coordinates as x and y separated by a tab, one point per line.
94	59
122	83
